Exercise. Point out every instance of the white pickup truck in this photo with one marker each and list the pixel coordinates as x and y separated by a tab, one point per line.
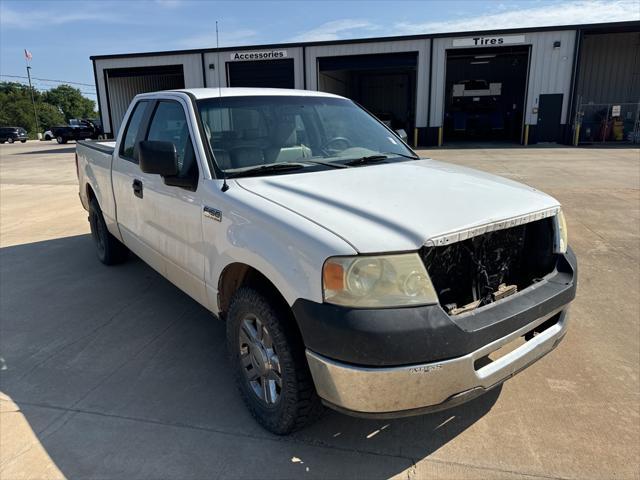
349	271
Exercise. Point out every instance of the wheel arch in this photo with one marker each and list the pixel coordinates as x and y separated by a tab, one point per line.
237	275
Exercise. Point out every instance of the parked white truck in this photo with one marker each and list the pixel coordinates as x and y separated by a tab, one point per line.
349	271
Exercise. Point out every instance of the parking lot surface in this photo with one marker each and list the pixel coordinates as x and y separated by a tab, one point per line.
114	373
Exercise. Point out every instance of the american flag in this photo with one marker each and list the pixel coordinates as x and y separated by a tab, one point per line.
27	54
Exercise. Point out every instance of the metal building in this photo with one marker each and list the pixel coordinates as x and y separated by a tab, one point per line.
569	84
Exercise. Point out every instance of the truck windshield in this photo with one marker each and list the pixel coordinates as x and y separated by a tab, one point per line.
259	130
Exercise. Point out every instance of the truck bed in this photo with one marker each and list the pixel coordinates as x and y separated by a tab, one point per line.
104	147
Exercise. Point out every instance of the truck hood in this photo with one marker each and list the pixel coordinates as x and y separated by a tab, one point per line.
402	206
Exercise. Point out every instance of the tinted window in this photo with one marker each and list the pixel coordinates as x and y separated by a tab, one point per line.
127	149
169	124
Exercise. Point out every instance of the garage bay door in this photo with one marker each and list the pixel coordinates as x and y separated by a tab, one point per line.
261	74
385	84
125	83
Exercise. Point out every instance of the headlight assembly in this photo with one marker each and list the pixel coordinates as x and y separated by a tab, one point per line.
562	238
377	281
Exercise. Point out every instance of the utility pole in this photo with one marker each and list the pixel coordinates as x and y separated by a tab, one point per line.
33	100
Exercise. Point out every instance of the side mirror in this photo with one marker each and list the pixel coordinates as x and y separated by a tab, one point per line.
402	134
158	157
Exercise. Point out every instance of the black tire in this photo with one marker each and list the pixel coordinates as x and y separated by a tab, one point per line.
298	404
23	141
10	140
110	250
61	140
2	142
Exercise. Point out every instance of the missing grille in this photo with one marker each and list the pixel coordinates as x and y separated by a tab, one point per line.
483	269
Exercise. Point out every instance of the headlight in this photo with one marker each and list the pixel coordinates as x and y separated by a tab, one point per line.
377	281
562	239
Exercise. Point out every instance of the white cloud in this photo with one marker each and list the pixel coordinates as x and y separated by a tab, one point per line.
208	39
39	17
564	13
504	15
335	30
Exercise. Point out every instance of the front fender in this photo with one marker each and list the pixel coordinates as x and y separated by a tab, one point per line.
286	248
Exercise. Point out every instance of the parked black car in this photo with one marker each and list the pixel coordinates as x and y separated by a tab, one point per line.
13	134
78	129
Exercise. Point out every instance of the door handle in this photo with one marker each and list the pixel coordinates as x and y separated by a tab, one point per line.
137	188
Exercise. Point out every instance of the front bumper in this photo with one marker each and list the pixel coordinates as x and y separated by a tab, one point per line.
423	388
398	362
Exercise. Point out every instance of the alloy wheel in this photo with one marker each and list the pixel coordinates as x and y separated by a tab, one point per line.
259	359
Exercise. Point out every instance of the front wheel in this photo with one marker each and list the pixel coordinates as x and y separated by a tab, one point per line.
23	141
61	140
267	357
110	250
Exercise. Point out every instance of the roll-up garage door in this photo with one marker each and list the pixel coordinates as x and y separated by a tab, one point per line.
125	83
261	74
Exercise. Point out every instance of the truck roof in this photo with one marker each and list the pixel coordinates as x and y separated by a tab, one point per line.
201	93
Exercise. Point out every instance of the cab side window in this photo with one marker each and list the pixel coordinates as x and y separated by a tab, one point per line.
169	124
127	149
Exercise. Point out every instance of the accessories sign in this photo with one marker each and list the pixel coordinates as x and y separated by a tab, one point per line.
492	41
263	55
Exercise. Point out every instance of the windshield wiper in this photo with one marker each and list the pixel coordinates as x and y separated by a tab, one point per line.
328	164
378	158
412	157
367	159
268	168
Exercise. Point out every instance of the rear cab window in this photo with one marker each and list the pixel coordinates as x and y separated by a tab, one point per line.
127	147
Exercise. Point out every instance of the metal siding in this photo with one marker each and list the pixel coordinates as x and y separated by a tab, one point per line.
225	57
191	65
610	68
422	73
550	71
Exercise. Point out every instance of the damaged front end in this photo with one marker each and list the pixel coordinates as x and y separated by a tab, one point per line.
480	270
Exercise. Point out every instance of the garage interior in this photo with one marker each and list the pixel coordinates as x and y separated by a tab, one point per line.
608	90
261	74
384	84
122	84
485	94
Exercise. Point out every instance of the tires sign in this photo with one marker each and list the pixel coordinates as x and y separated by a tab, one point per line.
490	41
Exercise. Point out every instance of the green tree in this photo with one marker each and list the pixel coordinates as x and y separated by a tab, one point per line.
70	102
16	107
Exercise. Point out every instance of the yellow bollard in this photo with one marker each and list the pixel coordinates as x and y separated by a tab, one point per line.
526	135
439	136
415	137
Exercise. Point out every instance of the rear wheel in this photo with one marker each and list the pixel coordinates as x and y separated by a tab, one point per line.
60	139
267	357
10	140
110	250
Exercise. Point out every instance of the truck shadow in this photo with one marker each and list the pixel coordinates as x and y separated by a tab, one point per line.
71	149
119	374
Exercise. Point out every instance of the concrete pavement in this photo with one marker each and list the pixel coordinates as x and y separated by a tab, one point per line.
115	373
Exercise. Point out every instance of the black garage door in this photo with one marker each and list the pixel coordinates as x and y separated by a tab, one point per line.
261	74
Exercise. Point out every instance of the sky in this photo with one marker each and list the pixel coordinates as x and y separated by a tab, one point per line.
62	35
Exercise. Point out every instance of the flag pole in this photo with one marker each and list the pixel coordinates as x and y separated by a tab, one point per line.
33	101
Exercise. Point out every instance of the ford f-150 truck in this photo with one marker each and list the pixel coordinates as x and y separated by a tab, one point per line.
350	272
